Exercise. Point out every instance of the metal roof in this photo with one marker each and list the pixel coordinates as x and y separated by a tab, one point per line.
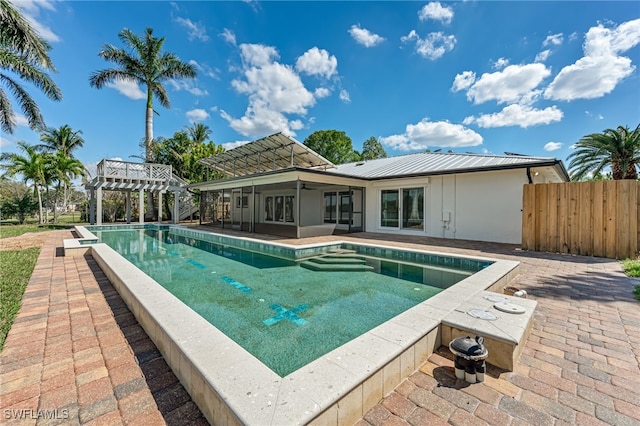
275	152
435	163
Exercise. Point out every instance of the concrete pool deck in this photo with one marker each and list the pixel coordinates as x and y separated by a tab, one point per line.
579	364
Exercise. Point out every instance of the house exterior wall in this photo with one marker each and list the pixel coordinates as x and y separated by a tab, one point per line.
482	206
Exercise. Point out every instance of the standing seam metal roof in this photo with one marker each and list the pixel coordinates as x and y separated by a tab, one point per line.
433	162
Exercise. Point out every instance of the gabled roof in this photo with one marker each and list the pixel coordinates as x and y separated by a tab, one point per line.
434	163
275	152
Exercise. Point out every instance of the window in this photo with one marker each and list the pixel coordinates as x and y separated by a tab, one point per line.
389	208
330	207
402	208
288	208
345	207
268	209
245	201
279	208
413	208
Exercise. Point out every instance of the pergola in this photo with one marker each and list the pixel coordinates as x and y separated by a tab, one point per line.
125	176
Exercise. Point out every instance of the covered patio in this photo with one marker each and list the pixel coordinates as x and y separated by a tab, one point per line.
275	185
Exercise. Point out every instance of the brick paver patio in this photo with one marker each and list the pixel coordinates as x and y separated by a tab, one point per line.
77	353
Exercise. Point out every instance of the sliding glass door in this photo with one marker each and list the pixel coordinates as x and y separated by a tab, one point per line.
402	208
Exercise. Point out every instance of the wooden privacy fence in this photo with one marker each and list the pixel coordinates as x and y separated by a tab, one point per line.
585	218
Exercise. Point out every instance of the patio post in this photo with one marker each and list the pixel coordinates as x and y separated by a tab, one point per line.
141	207
92	206
159	206
176	207
128	206
99	206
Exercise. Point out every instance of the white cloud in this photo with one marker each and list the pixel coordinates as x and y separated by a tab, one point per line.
552	146
4	141
463	81
30	11
230	145
517	115
437	12
321	92
433	46
500	63
21	120
228	36
188	86
205	69
317	62
128	88
601	68
273	89
542	56
513	84
258	54
553	40
365	37
344	96
197	115
432	133
194	29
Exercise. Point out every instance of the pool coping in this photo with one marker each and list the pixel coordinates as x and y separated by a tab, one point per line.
233	387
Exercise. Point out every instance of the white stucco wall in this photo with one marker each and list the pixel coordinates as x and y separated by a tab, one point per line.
483	206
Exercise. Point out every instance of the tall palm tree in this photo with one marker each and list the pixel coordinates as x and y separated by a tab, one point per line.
143	62
33	167
199	133
24	54
616	148
63	140
63	169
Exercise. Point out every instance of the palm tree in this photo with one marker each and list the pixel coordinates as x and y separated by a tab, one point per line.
143	63
34	167
63	140
618	149
63	168
25	54
199	133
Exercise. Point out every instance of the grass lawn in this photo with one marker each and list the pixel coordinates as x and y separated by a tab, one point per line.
17	267
10	228
632	268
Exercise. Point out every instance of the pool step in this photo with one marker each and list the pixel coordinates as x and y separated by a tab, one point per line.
336	267
338	259
342	251
337	262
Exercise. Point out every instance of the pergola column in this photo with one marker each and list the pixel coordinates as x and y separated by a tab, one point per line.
128	206
141	206
159	206
92	206
99	206
176	207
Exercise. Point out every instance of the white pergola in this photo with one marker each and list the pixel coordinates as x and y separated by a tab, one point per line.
130	177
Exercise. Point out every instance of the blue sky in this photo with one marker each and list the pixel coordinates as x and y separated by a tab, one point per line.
474	76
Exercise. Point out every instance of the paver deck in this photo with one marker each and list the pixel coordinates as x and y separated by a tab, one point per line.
77	353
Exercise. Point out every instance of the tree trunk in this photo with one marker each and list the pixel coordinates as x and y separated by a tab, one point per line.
37	189
148	140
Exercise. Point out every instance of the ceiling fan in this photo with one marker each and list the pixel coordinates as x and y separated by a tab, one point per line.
304	187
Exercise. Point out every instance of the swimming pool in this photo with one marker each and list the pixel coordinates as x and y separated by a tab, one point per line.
273	306
233	387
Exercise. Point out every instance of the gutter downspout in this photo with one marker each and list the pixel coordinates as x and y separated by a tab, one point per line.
529	174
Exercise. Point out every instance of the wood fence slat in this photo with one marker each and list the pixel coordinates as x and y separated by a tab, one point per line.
541	217
623	226
563	221
611	201
585	212
528	219
574	221
552	218
598	218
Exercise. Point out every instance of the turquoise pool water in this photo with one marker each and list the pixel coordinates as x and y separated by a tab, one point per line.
282	313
